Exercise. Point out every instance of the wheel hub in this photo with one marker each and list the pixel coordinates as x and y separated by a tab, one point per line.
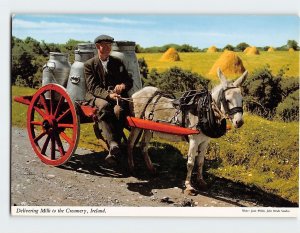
49	124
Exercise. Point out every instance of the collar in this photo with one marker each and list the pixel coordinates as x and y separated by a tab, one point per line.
106	61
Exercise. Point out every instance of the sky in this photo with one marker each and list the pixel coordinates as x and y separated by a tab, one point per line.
148	30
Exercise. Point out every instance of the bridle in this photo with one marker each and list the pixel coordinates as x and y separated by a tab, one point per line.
222	100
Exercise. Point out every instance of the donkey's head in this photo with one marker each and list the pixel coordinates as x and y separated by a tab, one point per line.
229	98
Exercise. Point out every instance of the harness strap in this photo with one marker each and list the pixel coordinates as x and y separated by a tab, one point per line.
151	113
222	100
160	94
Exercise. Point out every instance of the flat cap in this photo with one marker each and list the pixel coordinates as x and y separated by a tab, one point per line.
105	38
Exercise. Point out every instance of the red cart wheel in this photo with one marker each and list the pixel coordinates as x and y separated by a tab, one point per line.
53	125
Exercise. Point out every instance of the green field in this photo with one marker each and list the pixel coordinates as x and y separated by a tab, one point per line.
202	62
262	154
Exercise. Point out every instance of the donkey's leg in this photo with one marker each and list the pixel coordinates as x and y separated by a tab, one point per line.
134	133
200	162
193	147
144	145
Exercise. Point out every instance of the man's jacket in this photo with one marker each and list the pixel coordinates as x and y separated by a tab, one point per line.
98	81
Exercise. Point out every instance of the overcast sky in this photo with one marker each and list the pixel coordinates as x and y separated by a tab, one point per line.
156	30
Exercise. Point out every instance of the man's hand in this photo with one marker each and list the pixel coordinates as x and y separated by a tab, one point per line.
114	96
119	88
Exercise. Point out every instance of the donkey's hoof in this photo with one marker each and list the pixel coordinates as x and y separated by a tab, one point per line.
190	191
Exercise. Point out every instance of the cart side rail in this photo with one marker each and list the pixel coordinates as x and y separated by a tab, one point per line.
23	99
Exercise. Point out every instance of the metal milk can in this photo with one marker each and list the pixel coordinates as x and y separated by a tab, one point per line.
76	86
87	46
125	50
56	70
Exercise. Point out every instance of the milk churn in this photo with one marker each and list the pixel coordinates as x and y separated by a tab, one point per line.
88	47
56	70
76	86
125	50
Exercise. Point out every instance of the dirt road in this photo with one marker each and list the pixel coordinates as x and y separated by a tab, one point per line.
86	180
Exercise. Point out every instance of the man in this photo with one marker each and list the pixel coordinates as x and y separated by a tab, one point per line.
107	80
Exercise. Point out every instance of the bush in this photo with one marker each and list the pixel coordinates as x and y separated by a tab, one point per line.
143	67
289	85
262	92
288	110
176	80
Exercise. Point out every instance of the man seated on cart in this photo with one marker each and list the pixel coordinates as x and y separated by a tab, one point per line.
106	81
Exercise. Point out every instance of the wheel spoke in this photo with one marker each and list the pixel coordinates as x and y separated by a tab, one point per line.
53	146
51	102
63	115
45	145
39	137
61	100
40	112
36	122
65	125
60	145
66	137
43	101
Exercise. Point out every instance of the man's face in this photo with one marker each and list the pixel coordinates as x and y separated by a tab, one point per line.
104	49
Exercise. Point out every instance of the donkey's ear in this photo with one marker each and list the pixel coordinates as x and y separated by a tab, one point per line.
222	78
240	80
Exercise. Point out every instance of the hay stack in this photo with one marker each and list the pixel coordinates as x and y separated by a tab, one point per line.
291	50
230	64
271	49
246	49
212	49
253	51
170	55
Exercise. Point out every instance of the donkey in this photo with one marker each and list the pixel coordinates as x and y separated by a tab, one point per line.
162	109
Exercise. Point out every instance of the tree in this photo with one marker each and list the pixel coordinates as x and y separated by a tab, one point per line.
23	67
33	45
187	48
242	46
229	47
292	44
139	49
71	45
49	47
